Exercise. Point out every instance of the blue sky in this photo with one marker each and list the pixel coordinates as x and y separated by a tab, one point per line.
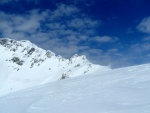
108	32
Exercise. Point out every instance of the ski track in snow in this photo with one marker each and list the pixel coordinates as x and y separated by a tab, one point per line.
124	90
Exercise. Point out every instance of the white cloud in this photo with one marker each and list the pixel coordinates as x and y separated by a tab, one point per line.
83	37
83	22
64	10
104	39
30	22
18	26
62	28
112	51
144	26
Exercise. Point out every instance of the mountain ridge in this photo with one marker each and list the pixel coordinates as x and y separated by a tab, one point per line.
24	65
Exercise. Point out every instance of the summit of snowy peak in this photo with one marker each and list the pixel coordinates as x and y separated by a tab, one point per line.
81	58
24	63
77	56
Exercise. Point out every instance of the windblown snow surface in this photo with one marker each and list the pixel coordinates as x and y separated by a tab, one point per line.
33	80
124	90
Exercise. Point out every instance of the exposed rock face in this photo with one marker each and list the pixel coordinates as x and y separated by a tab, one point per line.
31	51
17	60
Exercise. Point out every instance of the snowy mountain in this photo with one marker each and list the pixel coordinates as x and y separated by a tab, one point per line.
124	90
31	82
24	65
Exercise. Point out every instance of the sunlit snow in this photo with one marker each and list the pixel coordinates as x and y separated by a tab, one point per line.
101	90
24	65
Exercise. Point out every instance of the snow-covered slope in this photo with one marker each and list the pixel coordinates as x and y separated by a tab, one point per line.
124	90
24	65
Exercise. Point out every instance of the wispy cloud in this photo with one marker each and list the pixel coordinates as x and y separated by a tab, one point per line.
144	25
20	26
133	54
146	39
104	39
63	28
